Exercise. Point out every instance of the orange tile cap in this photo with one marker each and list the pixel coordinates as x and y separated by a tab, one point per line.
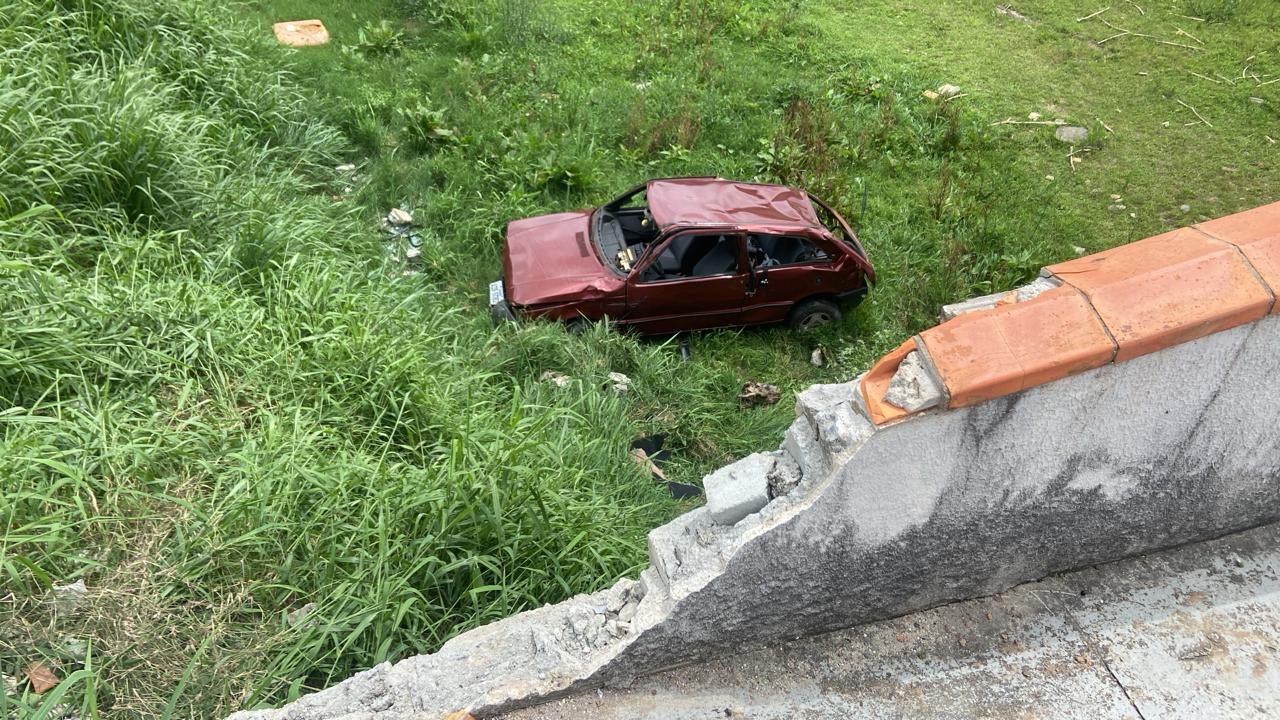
876	383
301	33
988	354
1257	233
1167	289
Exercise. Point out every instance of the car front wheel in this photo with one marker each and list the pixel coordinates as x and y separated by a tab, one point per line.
813	314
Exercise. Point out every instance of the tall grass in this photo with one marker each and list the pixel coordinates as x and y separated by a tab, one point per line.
219	402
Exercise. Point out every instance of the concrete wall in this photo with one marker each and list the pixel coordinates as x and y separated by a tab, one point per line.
863	521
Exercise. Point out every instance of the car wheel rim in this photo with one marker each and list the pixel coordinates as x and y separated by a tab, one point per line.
814	320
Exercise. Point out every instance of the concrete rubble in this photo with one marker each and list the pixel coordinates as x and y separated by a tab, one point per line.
847	523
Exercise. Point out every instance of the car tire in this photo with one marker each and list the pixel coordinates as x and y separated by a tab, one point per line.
813	314
577	326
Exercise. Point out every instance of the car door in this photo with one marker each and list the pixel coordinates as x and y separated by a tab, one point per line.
788	267
694	280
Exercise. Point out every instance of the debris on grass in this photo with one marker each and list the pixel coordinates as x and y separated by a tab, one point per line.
1071	134
647	452
818	357
41	677
398	217
556	378
1013	14
301	33
66	598
754	393
298	617
405	242
620	383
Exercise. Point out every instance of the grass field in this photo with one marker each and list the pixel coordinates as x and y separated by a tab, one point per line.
221	401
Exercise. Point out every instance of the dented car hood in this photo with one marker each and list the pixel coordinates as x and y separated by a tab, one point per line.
551	258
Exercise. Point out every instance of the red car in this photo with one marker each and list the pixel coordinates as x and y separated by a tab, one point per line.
685	254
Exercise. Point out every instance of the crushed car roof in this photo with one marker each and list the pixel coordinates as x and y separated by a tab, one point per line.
713	201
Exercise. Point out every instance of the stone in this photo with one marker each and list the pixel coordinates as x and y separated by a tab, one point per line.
948	91
816	358
1073	134
298	617
558	379
621	384
914	386
347	168
396	216
737	490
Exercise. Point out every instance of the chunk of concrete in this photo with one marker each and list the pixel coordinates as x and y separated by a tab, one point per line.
914	386
785	475
801	443
986	302
737	490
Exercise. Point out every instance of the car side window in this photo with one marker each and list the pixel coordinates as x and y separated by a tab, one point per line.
692	255
768	250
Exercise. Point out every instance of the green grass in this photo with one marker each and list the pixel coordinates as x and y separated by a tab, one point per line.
220	400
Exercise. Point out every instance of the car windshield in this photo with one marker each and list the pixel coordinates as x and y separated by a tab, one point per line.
623	229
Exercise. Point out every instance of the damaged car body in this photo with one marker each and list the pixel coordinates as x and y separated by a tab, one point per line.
685	254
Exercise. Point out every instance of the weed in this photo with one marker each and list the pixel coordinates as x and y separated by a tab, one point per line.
379	40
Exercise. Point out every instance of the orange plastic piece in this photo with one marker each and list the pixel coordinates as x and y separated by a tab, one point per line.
876	383
1167	289
989	354
301	33
1257	233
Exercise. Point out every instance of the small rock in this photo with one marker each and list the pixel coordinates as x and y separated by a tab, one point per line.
1073	134
1133	215
558	379
620	383
396	216
1115	207
1049	178
1184	208
930	94
1034	116
346	168
1079	250
816	358
297	617
1117	198
1164	124
948	91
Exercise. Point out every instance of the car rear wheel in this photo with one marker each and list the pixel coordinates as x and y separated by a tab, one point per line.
813	314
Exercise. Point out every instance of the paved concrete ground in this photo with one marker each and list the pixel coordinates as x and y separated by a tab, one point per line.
1188	633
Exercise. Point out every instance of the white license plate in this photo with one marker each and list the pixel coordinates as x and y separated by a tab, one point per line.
496	294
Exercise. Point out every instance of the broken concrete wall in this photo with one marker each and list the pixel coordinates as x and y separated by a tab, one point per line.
853	520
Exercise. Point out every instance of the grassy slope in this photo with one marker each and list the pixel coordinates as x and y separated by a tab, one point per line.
275	416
